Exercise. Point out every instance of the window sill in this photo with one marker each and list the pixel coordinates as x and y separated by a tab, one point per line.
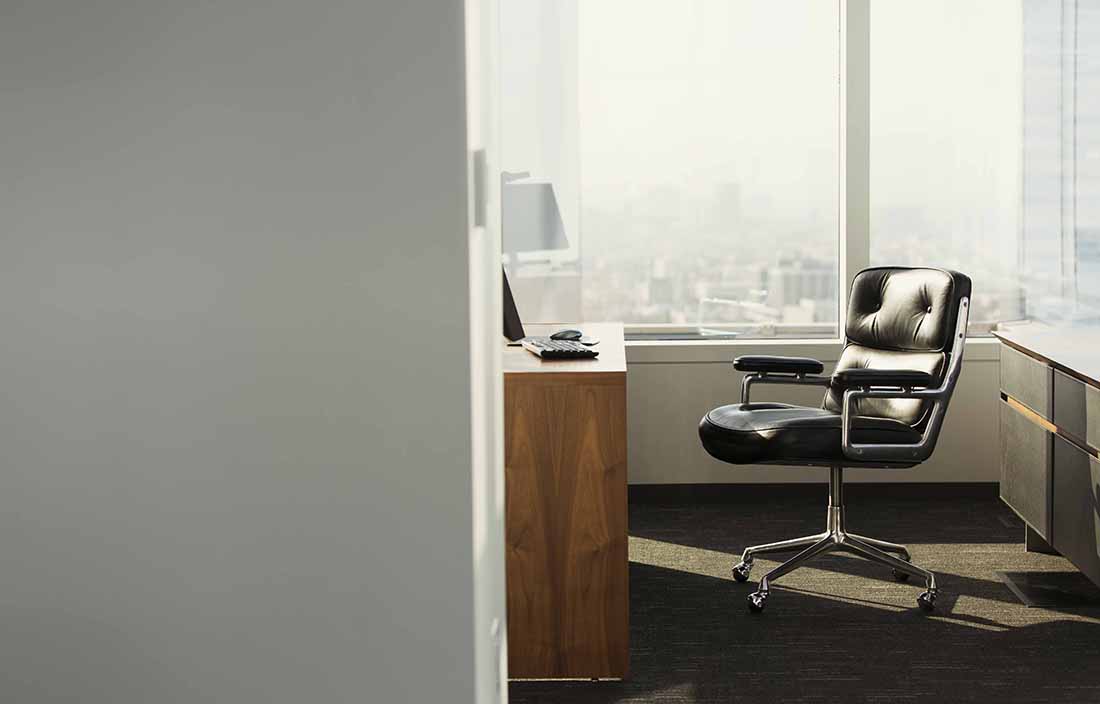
978	349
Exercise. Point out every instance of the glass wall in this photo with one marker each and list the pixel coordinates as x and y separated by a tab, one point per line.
945	144
674	164
709	164
985	153
540	156
693	153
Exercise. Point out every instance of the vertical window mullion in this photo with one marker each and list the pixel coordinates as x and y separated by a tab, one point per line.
1069	149
855	145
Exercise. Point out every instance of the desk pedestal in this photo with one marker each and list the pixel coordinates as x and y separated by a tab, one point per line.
566	516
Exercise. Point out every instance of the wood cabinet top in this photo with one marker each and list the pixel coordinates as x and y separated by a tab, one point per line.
612	349
1071	348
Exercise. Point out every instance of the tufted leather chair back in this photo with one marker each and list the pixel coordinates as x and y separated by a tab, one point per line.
900	318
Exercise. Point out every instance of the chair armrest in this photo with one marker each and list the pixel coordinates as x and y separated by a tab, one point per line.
767	369
900	378
778	365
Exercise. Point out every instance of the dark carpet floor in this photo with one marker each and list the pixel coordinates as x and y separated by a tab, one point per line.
840	630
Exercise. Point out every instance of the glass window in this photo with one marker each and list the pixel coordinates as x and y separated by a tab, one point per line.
692	153
1082	112
945	118
680	172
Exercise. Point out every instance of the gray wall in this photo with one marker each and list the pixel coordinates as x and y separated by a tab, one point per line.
235	460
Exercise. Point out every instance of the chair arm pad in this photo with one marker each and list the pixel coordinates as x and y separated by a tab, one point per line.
848	378
778	365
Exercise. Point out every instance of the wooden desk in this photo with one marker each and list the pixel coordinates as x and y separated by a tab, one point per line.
1050	438
565	515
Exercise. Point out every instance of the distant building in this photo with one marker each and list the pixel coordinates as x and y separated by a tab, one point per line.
796	279
1060	235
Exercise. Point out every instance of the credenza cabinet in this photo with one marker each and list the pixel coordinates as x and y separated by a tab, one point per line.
1050	438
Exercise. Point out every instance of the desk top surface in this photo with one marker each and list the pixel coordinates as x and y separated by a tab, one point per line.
612	359
1073	348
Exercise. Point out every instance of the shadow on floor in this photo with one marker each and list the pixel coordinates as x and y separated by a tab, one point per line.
694	641
943	524
729	526
842	631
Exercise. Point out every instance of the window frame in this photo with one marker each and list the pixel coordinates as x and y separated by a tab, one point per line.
854	179
853	76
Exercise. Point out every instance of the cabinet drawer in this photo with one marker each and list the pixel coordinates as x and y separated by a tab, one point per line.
1070	414
1077	408
1027	380
1092	416
1025	469
1077	515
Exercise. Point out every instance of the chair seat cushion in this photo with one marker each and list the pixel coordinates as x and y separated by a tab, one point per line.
777	432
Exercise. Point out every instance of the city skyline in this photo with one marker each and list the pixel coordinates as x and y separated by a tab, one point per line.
697	189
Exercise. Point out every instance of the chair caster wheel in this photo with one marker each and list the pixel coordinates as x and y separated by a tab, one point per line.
741	571
757	601
927	600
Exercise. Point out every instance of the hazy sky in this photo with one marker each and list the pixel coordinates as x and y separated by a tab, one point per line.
946	108
708	91
609	98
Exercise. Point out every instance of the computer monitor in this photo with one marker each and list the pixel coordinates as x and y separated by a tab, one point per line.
513	327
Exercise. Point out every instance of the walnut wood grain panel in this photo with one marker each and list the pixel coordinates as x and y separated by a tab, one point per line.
566	532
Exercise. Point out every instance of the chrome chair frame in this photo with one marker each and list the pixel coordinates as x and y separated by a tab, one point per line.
836	538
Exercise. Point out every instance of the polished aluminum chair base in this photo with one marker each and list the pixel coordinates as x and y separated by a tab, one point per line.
834	539
904	334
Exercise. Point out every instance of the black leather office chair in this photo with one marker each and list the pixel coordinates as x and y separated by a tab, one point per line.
884	407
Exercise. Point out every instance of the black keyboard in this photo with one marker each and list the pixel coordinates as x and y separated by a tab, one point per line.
558	349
